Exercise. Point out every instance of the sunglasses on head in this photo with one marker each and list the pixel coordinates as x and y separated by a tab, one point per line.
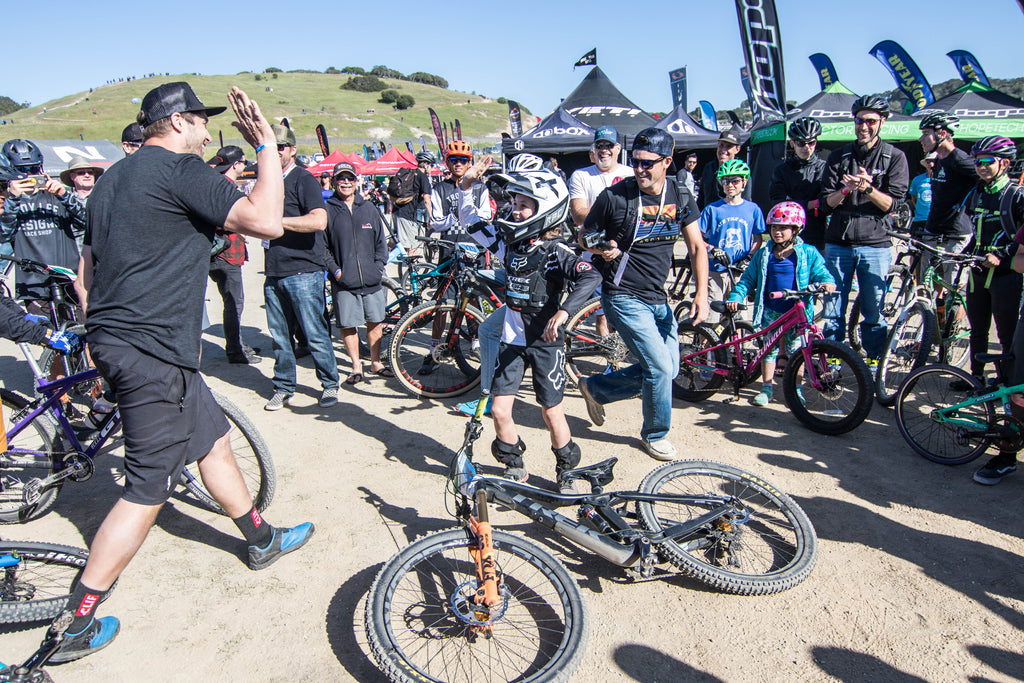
985	161
459	160
646	164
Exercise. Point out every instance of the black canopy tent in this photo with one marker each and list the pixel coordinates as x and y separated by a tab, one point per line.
558	133
687	133
597	102
982	110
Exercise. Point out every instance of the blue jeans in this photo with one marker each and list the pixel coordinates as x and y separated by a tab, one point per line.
650	332
301	297
871	264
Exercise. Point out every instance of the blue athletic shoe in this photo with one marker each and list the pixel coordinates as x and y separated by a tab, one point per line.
97	635
283	542
468	408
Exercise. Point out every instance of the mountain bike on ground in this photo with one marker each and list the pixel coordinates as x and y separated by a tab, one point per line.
472	603
826	385
947	416
45	446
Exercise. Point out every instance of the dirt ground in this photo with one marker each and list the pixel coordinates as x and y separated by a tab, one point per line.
919	575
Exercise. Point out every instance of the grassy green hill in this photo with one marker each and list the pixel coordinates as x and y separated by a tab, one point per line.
346	114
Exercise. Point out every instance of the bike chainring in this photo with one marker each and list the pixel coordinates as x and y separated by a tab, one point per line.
12	674
82	468
1012	433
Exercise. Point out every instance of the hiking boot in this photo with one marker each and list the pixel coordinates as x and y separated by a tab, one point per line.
429	365
662	449
469	407
244	358
279	400
283	542
594	409
94	637
517	474
328	398
996	469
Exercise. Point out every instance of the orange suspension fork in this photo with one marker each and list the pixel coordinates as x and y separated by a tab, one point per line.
483	554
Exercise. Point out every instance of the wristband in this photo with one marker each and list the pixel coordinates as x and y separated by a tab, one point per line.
844	191
869	190
337	274
260	148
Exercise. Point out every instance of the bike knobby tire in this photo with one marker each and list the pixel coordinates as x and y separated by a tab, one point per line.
955	348
906	349
843	398
416	609
933	388
764	543
696	381
32	455
458	365
37	587
586	353
252	455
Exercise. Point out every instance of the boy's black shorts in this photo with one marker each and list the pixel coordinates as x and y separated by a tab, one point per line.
547	363
168	417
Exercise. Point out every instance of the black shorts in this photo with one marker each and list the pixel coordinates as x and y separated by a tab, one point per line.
168	417
547	363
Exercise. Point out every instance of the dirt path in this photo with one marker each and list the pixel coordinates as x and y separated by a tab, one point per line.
919	575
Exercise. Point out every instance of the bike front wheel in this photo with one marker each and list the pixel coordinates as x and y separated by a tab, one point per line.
698	360
36	579
956	337
31	456
763	543
419	614
252	455
835	394
456	367
908	347
946	437
586	352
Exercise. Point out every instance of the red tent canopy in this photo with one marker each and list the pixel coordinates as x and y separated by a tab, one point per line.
389	163
333	158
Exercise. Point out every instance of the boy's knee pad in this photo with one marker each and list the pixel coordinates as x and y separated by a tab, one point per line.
567	457
508	454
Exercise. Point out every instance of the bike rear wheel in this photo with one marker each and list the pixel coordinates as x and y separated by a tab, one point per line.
417	609
587	353
696	380
933	388
36	579
458	366
908	347
252	455
844	396
31	456
764	544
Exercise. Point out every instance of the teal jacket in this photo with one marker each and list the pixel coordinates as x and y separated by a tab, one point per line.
810	269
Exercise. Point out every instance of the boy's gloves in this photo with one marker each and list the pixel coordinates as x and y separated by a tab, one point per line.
65	341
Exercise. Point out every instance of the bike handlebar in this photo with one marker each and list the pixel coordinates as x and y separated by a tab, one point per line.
30	266
813	290
942	253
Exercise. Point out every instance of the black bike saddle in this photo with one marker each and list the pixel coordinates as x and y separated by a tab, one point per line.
598	474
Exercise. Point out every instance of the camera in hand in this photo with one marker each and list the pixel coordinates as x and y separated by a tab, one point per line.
595	240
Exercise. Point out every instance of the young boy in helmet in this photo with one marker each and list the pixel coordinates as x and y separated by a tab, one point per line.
539	267
785	263
731	226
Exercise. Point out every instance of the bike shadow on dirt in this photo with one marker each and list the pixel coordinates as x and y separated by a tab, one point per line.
981	572
407	521
344	627
644	663
847	665
1004	661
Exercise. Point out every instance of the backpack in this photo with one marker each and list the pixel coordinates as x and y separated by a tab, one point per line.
402	187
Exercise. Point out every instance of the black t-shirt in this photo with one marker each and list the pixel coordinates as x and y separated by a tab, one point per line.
648	250
150	223
421	187
298	252
952	179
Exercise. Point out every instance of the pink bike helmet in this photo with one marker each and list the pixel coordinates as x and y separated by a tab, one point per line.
787	213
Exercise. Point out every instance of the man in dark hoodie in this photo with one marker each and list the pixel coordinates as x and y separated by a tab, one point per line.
798	179
356	254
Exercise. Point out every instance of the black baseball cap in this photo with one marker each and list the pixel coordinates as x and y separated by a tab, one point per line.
344	167
226	157
654	140
730	137
132	133
166	99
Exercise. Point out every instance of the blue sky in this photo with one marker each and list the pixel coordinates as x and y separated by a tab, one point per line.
524	53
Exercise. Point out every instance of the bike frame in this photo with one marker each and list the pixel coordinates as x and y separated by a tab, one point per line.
950	415
794	318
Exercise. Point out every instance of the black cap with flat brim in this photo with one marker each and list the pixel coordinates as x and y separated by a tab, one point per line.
166	99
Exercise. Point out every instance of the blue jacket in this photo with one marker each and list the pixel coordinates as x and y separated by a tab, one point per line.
810	269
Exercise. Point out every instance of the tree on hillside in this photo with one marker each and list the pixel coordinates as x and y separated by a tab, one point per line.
364	84
271	70
357	70
7	105
382	71
332	70
428	79
389	96
404	101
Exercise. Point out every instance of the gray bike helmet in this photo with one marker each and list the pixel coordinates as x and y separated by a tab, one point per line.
804	128
425	157
870	103
23	155
996	145
941	120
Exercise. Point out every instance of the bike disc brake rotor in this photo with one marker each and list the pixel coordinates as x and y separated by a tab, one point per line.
468	611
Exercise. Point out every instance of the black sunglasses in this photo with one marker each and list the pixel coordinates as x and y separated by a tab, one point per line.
804	143
985	161
459	160
646	164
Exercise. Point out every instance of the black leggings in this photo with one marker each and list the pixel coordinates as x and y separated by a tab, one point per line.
999	302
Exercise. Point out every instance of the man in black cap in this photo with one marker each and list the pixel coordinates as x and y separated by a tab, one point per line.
710	189
226	266
131	138
151	221
639	220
